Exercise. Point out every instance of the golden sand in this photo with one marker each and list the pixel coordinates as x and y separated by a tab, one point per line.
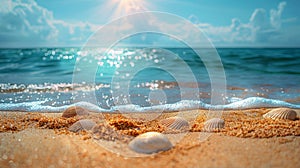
21	121
246	124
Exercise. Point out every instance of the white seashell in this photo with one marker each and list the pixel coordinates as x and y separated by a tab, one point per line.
213	124
84	124
150	142
281	113
175	123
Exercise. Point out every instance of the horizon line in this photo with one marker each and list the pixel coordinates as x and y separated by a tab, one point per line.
141	46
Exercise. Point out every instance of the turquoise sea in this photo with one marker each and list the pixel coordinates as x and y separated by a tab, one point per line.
51	79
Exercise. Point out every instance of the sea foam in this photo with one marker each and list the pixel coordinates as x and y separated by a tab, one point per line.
251	102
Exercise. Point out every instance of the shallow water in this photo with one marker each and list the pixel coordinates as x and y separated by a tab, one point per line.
161	78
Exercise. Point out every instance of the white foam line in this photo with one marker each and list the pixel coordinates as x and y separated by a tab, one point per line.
258	102
252	102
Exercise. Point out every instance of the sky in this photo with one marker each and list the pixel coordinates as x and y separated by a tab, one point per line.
230	23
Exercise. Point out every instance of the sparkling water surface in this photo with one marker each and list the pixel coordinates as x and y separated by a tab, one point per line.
45	75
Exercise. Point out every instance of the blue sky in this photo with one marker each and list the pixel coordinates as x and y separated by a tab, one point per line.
227	23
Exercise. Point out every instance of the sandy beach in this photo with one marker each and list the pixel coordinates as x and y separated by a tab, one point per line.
149	84
247	140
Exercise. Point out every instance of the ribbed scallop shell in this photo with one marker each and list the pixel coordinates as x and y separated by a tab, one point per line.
281	113
84	124
214	124
175	123
150	142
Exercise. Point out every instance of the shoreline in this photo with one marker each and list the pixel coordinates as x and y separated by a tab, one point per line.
52	145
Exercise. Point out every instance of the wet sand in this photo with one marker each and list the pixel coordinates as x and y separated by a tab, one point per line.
248	140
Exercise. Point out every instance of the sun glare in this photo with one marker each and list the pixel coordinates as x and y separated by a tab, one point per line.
125	7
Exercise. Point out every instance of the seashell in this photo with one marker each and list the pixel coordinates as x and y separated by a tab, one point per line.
73	111
281	113
175	123
84	124
213	124
150	142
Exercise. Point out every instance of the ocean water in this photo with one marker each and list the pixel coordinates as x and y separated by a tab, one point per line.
147	79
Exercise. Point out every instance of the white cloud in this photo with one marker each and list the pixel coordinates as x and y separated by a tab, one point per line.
261	29
24	22
275	15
